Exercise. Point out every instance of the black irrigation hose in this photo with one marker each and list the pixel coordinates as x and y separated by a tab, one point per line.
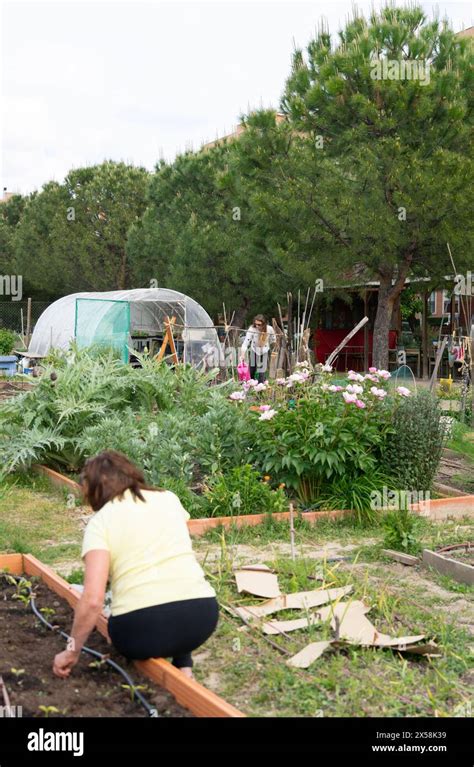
151	710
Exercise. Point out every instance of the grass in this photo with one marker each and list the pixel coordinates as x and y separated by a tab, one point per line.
462	441
37	520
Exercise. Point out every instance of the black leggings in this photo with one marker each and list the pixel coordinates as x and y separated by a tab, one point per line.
259	366
172	630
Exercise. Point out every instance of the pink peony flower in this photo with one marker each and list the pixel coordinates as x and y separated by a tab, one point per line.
372	370
298	377
380	393
327	368
373	378
237	395
264	408
267	415
384	374
403	391
281	381
349	397
353	376
360	404
354	389
335	388
260	387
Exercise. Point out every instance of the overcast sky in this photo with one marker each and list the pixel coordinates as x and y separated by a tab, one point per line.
135	81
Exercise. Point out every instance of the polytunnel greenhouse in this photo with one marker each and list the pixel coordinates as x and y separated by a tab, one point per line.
125	319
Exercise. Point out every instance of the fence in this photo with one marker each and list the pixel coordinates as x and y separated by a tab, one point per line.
12	313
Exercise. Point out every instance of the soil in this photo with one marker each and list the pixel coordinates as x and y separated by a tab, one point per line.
454	473
26	644
464	555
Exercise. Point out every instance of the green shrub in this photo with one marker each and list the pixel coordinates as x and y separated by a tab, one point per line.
220	441
414	447
318	441
241	491
355	493
7	342
193	503
400	531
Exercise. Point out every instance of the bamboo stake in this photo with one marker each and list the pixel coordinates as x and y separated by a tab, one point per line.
437	362
344	341
292	532
7	708
28	322
312	305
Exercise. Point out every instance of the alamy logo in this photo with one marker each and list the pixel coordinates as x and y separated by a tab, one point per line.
464	284
403	69
398	500
11	285
11	711
56	741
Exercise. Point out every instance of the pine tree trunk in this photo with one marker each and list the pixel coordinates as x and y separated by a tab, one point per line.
382	322
388	294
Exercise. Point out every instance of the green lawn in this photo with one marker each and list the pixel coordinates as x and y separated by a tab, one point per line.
37	520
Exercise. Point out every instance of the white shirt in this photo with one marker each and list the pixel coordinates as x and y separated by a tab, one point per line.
252	339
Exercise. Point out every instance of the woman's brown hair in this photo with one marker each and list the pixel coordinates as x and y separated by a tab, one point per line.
263	335
108	475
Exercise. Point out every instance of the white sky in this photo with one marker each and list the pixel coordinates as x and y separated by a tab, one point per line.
134	81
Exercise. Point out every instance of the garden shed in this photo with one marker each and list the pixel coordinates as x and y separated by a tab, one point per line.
117	318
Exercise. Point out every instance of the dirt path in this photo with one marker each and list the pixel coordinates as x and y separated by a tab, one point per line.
455	473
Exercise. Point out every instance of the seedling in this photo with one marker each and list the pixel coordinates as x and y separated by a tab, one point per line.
133	689
47	612
48	710
17	672
25	598
99	663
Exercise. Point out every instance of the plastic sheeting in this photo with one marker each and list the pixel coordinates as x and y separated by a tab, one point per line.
149	307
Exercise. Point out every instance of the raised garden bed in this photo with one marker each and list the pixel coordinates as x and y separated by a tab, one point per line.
28	649
438	509
20	622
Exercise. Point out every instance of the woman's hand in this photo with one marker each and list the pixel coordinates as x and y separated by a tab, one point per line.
64	662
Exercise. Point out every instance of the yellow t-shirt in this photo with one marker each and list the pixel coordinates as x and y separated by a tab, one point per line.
151	557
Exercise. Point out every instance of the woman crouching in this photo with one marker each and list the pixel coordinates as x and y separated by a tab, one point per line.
162	605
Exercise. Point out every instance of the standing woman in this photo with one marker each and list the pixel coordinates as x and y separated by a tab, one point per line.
259	338
162	605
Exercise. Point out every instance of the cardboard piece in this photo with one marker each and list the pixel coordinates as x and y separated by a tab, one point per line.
302	600
308	654
353	626
257	580
398	556
283	627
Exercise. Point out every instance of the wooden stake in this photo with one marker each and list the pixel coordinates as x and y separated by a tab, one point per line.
28	323
4	692
437	362
344	341
292	532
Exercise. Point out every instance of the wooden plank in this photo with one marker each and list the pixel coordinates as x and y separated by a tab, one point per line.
446	508
345	340
459	571
59	480
188	692
405	559
439	356
199	527
13	563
